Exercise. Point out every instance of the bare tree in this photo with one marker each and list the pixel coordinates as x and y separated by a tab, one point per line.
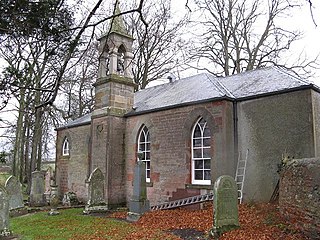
157	48
241	35
77	89
39	55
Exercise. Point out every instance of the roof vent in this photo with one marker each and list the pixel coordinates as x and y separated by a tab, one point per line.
170	78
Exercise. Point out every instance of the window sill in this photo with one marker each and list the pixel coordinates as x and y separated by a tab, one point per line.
198	186
149	184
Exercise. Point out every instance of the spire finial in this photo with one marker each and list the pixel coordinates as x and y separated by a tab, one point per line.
117	24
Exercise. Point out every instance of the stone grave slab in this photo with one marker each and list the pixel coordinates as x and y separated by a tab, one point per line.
226	215
139	203
37	196
96	193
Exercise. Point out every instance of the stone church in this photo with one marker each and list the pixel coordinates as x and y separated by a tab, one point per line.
188	132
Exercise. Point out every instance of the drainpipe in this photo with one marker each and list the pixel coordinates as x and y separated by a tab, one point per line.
235	131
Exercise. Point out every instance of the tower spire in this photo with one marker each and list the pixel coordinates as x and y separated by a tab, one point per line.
117	23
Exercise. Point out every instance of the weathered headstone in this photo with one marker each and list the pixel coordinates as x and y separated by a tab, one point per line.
4	212
226	216
70	199
48	182
54	200
96	193
14	190
37	197
139	203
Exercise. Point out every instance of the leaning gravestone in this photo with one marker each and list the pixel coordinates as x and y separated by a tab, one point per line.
139	203
14	190
226	216
37	197
4	213
96	193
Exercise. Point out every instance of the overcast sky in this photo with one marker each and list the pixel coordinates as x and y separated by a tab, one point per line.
300	20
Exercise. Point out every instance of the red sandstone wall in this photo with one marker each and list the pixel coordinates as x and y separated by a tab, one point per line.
299	197
170	134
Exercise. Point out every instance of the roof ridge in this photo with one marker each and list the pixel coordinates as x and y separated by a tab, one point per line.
220	86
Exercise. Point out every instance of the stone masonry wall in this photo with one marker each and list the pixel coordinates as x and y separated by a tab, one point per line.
72	171
299	197
170	134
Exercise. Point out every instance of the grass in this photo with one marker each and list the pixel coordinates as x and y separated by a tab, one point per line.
71	224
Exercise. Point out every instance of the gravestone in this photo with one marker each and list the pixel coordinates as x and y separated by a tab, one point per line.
139	203
226	216
54	200
4	213
96	193
48	181
70	199
37	197
14	190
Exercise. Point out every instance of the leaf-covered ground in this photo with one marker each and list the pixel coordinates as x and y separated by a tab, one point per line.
261	221
258	222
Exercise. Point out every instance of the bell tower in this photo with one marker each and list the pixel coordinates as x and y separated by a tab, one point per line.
114	91
114	86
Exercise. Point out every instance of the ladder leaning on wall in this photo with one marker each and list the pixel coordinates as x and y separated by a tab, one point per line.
240	174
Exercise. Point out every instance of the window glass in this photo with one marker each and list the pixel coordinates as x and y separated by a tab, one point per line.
201	153
65	147
144	149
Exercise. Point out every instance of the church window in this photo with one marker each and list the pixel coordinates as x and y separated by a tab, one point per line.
144	149
201	153
65	147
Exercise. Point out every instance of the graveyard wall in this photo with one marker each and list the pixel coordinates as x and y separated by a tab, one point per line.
170	134
72	170
269	127
300	194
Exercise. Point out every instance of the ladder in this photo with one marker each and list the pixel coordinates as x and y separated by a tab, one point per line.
183	202
275	194
240	174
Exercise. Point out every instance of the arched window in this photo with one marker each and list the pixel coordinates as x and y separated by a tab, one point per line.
144	149
201	156
65	147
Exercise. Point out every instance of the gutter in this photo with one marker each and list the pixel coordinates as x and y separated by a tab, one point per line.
304	87
72	126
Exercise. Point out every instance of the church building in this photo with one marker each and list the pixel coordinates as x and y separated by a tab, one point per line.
188	132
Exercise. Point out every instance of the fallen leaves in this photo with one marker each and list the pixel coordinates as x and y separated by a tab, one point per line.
261	221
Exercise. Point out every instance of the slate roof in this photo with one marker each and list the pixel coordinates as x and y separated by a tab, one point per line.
206	87
86	119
